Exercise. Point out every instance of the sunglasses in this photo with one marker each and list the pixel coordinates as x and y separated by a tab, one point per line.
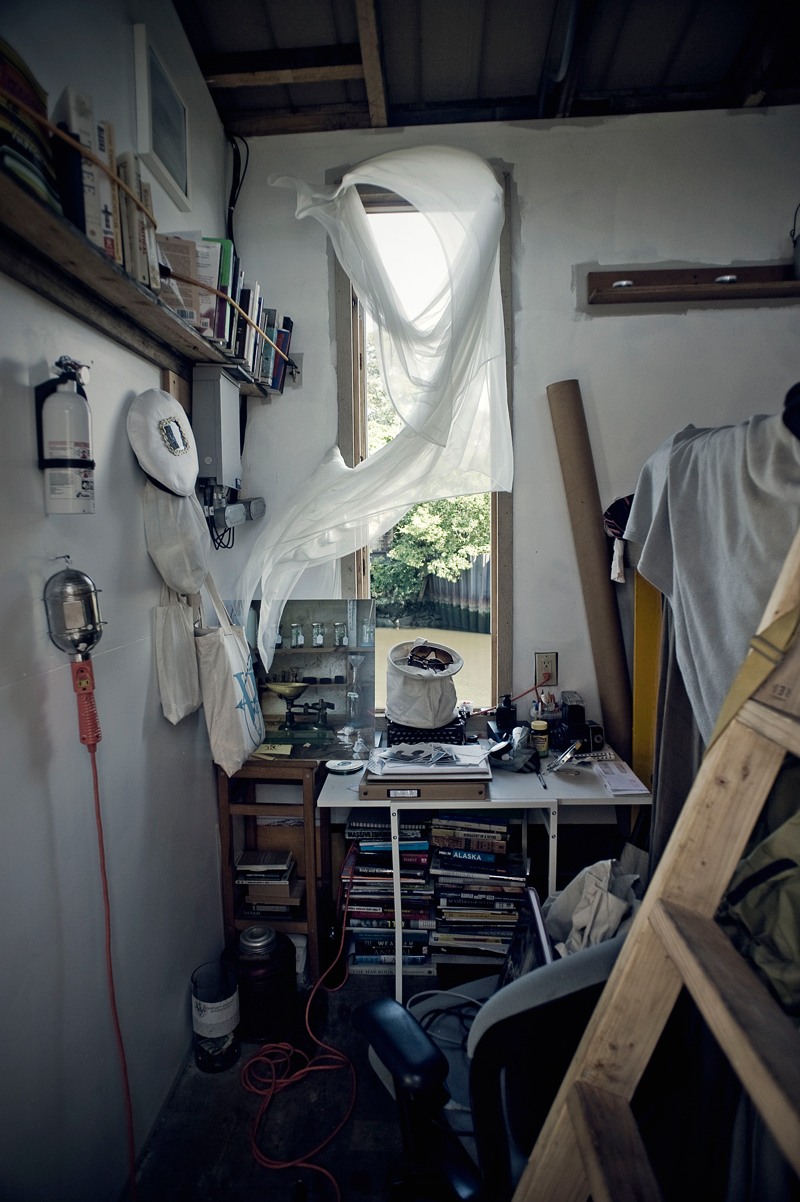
430	657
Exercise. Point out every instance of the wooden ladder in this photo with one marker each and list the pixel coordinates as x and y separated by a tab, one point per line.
590	1142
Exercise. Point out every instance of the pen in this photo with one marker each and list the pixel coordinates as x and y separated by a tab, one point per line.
541	780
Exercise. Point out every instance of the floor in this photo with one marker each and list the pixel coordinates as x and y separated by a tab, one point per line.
200	1148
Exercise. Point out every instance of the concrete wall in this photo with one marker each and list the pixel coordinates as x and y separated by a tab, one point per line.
62	1132
667	189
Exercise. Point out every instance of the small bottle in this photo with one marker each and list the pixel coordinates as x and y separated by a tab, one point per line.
506	714
317	634
278	639
540	738
340	634
298	639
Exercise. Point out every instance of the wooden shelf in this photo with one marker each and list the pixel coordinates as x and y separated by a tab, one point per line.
48	254
773	282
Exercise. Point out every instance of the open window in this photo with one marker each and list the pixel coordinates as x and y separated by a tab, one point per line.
363	417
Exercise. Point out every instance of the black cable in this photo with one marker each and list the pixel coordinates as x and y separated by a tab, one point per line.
237	179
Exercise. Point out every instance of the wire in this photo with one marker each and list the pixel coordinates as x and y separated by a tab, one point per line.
270	1070
92	749
237	179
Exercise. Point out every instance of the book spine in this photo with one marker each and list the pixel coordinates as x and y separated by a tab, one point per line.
268	371
136	242
223	309
459	856
404	845
208	268
359	959
242	326
150	240
107	128
105	190
256	338
75	108
283	341
469	843
70	178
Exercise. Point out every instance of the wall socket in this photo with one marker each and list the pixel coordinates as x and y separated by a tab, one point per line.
545	668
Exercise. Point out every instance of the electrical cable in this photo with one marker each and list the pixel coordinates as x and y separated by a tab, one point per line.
237	179
276	1059
92	749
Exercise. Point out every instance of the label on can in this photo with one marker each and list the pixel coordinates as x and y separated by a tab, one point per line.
213	1019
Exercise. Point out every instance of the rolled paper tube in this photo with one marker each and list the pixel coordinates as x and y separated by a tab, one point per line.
586	519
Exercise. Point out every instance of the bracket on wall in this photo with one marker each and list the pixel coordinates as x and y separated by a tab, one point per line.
624	287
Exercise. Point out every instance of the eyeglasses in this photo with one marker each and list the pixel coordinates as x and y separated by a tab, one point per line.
434	658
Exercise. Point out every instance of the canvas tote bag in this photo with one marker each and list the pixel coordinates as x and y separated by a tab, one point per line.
177	538
230	698
176	658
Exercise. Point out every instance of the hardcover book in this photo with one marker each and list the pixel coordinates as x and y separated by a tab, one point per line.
73	112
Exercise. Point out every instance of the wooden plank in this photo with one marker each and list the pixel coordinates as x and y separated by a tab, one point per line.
617	1166
771	290
254	123
178	387
21	262
783	729
502	504
646	647
371	58
295	58
690	276
273	79
755	1034
734	780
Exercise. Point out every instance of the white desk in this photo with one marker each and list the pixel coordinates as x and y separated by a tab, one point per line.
507	791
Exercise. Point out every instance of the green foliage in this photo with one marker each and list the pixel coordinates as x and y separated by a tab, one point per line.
383	421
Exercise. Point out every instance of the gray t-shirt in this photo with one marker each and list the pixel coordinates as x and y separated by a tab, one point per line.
716	511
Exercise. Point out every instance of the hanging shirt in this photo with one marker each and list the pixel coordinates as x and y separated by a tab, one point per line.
716	511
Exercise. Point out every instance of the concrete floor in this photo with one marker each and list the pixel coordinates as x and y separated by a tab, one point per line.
200	1148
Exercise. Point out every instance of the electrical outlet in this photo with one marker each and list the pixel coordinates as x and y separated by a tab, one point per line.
545	668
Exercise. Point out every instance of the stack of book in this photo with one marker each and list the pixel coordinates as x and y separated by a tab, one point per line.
371	919
272	887
479	888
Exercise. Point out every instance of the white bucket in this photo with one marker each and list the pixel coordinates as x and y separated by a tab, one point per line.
419	697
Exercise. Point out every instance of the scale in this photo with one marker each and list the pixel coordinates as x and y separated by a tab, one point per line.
302	724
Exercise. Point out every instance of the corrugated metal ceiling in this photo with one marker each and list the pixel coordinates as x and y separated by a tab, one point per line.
443	61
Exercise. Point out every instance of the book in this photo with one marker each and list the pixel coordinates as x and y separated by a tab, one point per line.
383	970
180	254
469	822
405	845
377	936
283	340
246	302
150	239
69	174
458	855
360	921
512	871
275	891
73	112
530	945
618	778
222	310
25	151
208	252
135	244
271	330
109	194
255	339
264	861
467	842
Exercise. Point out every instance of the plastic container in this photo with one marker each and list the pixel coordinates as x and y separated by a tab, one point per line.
539	738
506	714
215	1016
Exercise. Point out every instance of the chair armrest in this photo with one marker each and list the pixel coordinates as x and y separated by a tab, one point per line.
400	1043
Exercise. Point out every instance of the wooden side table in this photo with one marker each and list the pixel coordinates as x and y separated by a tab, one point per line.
237	796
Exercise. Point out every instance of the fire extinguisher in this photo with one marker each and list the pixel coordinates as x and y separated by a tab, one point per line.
64	432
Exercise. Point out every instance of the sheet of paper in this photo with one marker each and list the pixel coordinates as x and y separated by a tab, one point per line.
618	778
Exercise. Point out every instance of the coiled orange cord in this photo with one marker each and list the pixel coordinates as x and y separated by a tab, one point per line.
269	1070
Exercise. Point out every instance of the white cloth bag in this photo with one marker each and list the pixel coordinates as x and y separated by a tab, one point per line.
177	538
419	697
230	698
176	658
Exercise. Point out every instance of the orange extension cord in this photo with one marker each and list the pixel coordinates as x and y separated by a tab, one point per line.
92	749
275	1075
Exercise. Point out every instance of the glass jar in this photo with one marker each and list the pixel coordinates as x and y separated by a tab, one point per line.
317	634
367	633
298	639
340	634
278	639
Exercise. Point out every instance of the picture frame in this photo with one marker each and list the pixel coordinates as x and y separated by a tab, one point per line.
162	122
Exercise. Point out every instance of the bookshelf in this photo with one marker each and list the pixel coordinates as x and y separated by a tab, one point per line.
237	800
47	253
771	282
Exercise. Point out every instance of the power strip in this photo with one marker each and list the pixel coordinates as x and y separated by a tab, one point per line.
605	754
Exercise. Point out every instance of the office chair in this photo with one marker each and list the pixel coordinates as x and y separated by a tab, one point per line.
472	1105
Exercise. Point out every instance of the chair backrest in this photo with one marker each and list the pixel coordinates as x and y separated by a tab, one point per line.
521	1044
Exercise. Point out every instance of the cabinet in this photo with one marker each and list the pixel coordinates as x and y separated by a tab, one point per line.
237	799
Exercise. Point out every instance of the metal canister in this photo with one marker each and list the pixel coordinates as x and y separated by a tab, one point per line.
265	961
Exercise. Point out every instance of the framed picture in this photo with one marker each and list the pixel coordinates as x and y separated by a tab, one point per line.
162	122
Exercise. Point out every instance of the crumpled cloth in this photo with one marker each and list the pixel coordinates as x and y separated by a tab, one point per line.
599	903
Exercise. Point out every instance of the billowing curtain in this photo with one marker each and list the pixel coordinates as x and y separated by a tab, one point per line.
444	370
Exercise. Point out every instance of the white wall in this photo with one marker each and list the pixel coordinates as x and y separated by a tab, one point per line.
62	1132
672	189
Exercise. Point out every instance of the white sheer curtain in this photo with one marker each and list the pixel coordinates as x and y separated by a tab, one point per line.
444	370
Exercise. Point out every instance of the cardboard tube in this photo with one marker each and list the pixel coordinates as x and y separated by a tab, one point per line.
586	519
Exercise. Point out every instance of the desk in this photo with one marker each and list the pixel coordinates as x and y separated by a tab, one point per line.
507	791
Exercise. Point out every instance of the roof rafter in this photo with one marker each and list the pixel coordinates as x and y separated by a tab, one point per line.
371	58
269	68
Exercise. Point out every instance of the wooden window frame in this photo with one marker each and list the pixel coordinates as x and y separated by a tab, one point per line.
352	437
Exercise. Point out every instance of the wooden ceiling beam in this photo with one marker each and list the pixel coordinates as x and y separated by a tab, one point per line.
309	119
371	58
268	68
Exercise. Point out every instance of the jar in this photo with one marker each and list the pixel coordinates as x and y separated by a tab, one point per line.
265	962
367	633
215	1016
278	639
298	639
317	634
540	738
340	634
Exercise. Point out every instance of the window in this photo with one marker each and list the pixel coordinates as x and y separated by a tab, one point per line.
367	419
